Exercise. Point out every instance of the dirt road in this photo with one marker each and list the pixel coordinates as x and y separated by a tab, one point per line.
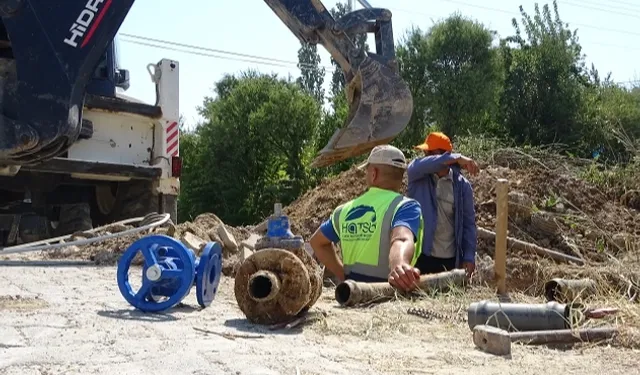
74	321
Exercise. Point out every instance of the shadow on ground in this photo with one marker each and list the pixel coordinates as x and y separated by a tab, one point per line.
133	314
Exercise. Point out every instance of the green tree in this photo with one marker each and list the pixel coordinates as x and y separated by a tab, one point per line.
454	75
545	80
253	148
464	75
311	72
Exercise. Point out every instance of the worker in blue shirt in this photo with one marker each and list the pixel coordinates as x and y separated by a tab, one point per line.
446	199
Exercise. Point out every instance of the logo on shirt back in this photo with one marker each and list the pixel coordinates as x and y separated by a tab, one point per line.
360	222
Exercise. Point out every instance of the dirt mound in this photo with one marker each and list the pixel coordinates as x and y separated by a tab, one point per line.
565	213
310	210
205	227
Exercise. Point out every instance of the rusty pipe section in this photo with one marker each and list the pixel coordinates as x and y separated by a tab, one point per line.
566	291
263	286
273	286
522	316
352	293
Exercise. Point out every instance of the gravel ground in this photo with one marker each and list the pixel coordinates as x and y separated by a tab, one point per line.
73	320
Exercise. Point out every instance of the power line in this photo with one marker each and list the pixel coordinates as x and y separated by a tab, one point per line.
518	14
292	64
622	2
617	7
601	9
206	49
254	58
596	43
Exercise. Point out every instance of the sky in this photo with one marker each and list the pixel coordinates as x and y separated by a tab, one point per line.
250	27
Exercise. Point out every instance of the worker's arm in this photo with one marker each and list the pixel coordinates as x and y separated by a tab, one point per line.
406	226
322	244
422	167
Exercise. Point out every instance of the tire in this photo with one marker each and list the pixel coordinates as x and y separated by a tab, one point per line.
74	218
131	199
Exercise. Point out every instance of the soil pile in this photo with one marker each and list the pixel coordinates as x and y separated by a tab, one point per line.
315	206
549	207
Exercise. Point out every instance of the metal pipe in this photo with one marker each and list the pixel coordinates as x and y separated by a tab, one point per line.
566	291
521	317
47	244
351	293
563	336
498	341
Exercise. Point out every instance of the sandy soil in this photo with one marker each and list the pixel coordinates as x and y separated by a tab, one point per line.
73	320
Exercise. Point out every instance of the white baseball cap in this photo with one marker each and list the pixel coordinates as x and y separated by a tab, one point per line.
387	155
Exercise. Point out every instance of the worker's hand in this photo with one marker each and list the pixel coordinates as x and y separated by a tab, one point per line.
469	267
468	164
404	277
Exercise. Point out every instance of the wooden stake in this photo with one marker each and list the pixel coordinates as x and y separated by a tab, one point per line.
502	214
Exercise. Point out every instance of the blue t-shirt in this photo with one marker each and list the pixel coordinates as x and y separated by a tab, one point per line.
408	215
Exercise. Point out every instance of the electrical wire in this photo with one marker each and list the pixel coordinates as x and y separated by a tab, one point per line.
292	64
518	14
254	58
610	11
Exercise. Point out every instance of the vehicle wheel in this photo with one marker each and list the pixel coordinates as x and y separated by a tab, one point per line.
74	218
130	200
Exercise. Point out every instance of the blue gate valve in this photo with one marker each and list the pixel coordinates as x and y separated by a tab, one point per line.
169	271
279	233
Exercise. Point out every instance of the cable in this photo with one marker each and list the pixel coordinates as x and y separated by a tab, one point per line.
612	7
600	9
220	57
518	14
327	70
205	48
622	2
162	41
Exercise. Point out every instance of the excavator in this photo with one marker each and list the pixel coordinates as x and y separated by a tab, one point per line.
76	152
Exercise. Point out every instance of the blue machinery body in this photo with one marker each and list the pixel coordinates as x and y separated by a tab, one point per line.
170	270
71	43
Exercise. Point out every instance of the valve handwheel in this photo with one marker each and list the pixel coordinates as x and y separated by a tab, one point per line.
169	270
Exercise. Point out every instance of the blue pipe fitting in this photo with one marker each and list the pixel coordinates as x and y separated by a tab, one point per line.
279	233
169	272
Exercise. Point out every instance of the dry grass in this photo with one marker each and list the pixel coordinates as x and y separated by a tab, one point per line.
390	319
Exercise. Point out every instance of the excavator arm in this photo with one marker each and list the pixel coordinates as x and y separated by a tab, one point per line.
50	49
380	103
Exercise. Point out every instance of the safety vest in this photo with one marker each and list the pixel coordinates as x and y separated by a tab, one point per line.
364	228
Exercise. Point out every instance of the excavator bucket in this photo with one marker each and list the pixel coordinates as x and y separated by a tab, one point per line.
380	106
380	102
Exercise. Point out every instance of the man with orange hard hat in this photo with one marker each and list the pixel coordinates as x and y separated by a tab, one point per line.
446	198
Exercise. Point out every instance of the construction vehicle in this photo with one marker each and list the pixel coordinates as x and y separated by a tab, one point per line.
75	152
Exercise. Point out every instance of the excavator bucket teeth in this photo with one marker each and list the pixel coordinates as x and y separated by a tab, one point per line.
380	107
